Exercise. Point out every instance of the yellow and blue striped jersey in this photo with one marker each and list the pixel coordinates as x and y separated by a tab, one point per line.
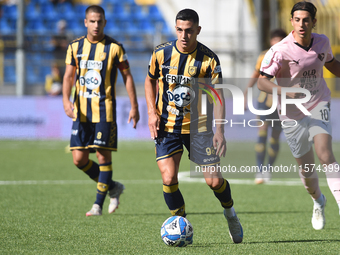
97	66
179	90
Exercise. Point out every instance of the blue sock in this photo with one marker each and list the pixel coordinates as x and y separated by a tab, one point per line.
174	199
104	180
223	194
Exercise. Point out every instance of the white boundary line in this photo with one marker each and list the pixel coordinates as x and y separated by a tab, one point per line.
182	176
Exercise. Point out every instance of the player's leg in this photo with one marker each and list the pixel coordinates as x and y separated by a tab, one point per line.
169	149
219	186
298	138
104	140
172	195
324	151
80	138
81	160
222	192
201	151
310	180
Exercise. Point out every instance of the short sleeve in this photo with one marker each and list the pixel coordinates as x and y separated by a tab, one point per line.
271	63
123	63
330	55
69	56
216	73
153	68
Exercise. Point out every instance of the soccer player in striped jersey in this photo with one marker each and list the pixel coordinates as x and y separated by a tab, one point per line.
94	60
297	61
175	119
264	102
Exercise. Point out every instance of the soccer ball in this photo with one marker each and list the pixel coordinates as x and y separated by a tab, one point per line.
177	231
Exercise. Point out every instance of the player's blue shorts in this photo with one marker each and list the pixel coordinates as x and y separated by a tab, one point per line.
86	135
200	147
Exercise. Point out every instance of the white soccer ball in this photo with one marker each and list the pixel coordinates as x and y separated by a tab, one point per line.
177	231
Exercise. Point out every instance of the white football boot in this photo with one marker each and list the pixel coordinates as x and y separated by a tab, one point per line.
235	228
95	211
114	195
318	219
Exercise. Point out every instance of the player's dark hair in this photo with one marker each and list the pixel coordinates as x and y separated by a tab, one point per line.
304	6
278	33
96	9
188	14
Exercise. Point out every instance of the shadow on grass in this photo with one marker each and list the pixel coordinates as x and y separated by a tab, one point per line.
266	242
298	241
213	213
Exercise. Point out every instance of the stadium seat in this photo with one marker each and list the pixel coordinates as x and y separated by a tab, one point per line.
79	10
146	26
9	74
65	10
139	12
35	27
113	28
5	28
154	13
120	12
9	11
31	12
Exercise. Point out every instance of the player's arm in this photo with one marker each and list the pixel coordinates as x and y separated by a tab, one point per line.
68	82
264	84
267	86
150	96
131	90
219	141
333	67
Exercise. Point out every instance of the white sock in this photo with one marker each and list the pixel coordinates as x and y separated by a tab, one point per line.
320	201
230	212
339	207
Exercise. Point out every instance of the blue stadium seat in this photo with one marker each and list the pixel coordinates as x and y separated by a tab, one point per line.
120	12
5	28
35	27
146	26
9	74
9	11
65	10
129	27
112	28
48	11
79	10
31	12
139	12
105	2
154	13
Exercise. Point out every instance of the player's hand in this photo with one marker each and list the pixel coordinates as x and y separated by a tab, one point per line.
68	108
153	123
295	94
134	116
220	144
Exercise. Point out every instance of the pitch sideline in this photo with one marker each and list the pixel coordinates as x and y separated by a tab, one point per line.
182	176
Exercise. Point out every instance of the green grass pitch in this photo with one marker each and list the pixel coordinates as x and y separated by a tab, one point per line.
44	198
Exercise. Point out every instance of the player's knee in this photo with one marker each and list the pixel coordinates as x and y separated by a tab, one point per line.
214	183
79	162
169	180
326	157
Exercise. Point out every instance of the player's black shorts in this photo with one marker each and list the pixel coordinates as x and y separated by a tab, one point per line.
200	147
86	135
